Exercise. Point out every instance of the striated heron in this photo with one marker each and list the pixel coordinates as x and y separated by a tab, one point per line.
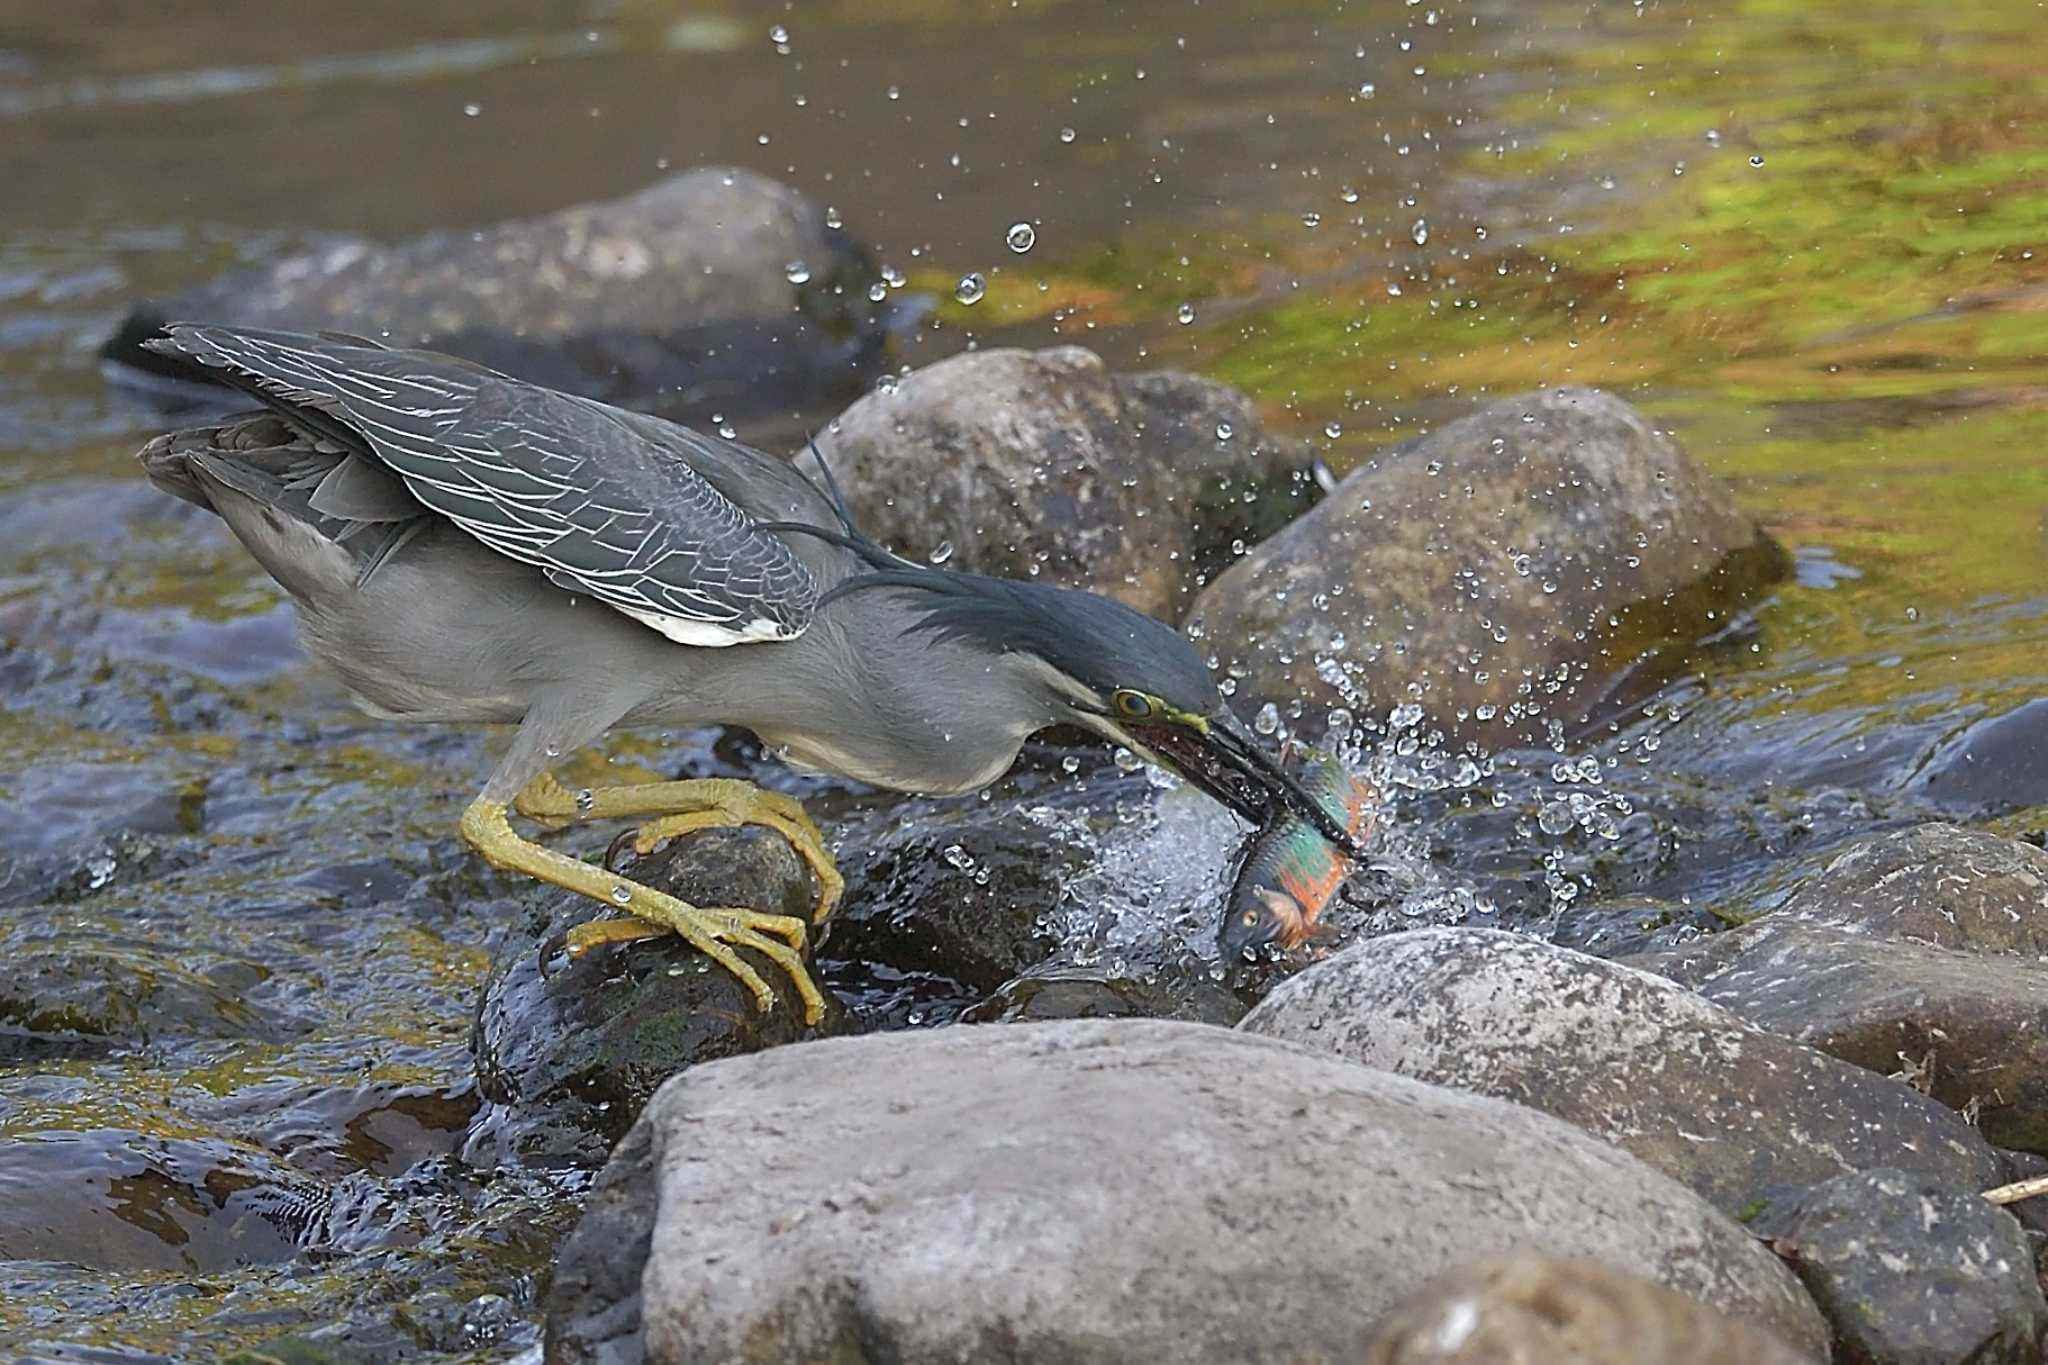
465	547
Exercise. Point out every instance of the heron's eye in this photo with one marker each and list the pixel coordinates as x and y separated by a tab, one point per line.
1135	705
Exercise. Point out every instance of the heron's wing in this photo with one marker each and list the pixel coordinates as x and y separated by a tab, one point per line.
602	505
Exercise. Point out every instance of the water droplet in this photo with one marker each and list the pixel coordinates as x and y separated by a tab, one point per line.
472	110
1070	765
778	34
877	292
958	857
1348	195
1224	431
586	801
894	93
1267	721
1066	134
1021	237
941	552
1186	314
1418	232
1756	160
622	894
893	276
553	751
1311	219
1126	761
832	218
1367	91
797	272
971	288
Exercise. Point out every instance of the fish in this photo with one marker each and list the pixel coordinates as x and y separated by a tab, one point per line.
1290	871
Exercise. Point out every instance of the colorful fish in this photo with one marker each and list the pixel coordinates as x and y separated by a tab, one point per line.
1290	871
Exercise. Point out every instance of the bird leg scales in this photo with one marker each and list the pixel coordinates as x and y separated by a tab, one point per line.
679	807
714	931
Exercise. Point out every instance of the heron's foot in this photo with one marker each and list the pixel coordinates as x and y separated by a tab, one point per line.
679	807
770	810
715	932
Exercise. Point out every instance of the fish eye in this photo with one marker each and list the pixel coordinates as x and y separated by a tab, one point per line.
1135	705
1251	917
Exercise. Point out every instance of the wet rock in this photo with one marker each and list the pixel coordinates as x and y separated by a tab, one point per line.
1069	992
1922	952
953	1193
569	1051
85	997
1099	876
1044	463
1620	928
1687	1087
1913	1271
957	892
1499	571
1553	1310
713	291
1996	764
132	1201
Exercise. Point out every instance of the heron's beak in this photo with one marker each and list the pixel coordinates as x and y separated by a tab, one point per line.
1221	758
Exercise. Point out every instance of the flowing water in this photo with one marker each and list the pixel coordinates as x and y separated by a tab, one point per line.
1809	237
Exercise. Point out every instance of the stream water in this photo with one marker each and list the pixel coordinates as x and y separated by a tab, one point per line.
244	944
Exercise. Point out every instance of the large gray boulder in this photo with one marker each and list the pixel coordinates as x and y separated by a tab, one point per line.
1922	951
713	291
1044	464
1736	1113
1498	571
1102	1190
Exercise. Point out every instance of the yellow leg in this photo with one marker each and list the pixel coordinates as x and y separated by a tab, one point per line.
715	932
707	803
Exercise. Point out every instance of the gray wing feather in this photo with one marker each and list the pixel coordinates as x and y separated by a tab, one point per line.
603	506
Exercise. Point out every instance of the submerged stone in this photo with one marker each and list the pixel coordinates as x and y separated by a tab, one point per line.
676	299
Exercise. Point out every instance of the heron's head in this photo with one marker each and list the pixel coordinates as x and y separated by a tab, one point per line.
1127	677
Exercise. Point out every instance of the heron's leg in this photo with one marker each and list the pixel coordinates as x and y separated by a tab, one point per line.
704	803
715	932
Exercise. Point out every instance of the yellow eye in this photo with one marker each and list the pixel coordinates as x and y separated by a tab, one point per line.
1251	917
1135	705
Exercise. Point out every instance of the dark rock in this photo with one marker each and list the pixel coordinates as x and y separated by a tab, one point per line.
1684	1085
677	299
1922	952
1042	463
569	1051
1619	928
1552	1310
1996	764
1098	875
1503	567
1070	992
1912	1271
1113	1190
594	1295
